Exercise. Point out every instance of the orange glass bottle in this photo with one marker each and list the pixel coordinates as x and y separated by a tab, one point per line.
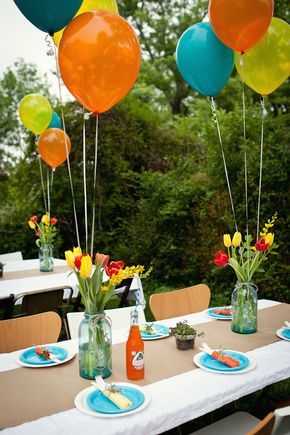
135	351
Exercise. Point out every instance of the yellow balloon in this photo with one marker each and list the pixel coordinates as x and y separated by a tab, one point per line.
90	5
35	113
267	64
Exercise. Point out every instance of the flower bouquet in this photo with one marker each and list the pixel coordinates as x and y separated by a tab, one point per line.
46	231
96	282
246	258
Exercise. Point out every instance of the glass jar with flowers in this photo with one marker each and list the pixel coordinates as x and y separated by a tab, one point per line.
46	231
246	259
96	282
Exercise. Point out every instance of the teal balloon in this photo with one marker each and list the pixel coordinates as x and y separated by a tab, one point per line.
204	62
49	15
55	121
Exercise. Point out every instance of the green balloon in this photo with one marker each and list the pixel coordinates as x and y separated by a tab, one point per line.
35	113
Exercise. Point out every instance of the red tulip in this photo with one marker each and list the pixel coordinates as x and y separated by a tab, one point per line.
53	221
261	245
221	259
34	219
102	258
78	261
114	267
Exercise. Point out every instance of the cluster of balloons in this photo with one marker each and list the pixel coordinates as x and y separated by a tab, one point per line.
37	116
241	33
99	52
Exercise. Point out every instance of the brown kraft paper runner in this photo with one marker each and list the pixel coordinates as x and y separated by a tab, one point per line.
18	274
28	394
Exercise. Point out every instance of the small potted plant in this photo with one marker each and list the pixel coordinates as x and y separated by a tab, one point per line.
184	335
1	268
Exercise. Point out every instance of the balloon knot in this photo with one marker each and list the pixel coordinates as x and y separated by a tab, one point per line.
242	52
96	113
51	34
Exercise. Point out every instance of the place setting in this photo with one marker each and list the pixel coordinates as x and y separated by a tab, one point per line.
112	400
44	356
219	313
284	332
153	331
223	361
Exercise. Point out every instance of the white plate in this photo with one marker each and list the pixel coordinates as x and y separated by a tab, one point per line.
81	402
279	334
251	366
70	355
205	313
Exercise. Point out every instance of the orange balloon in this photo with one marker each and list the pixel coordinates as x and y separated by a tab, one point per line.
99	59
240	24
52	147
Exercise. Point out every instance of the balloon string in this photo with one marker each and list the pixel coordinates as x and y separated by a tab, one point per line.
42	182
245	157
66	148
216	121
50	189
263	113
95	183
51	181
50	51
85	179
48	192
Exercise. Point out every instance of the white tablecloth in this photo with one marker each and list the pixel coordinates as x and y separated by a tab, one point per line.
43	282
174	401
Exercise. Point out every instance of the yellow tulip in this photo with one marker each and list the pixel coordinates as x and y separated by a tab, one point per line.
227	240
86	267
269	239
237	238
70	259
32	225
45	219
77	252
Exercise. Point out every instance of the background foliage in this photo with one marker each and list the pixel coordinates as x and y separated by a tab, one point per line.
161	190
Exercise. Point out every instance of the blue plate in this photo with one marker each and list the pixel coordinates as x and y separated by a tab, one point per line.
100	403
211	313
286	333
209	362
30	357
162	329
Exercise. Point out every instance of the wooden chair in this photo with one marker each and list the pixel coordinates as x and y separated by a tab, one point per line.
180	302
243	423
123	295
41	301
265	427
29	331
6	307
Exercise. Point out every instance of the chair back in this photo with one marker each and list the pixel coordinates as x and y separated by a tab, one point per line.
6	307
12	256
29	331
125	286
122	291
180	302
121	316
40	302
264	427
120	319
282	421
